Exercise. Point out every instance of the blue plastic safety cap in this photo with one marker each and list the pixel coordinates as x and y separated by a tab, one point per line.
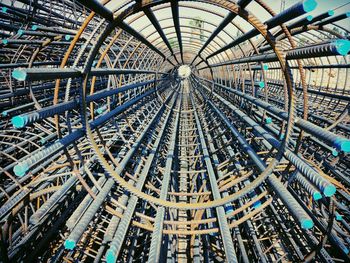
329	190
345	146
19	121
110	257
334	152
256	205
309	5
338	217
316	196
19	74
69	244
309	18
307	224
330	12
342	46
342	144
20	170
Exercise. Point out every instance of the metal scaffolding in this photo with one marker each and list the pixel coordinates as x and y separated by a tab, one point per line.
174	131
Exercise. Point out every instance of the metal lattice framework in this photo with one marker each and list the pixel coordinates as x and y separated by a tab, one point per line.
173	131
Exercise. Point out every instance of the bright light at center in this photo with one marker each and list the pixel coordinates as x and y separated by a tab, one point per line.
184	71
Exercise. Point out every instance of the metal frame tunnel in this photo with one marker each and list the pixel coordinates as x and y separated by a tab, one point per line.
174	131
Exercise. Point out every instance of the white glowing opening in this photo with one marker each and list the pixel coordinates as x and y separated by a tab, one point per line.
184	71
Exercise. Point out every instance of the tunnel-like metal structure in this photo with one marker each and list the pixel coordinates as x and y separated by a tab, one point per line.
174	131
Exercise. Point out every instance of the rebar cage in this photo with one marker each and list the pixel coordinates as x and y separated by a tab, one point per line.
174	131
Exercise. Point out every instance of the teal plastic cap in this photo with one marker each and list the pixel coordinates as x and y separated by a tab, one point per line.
34	27
261	84
42	141
20	169
257	204
330	12
19	121
69	244
307	224
100	110
4	9
309	18
347	14
4	41
265	67
67	37
268	120
4	113
335	152
309	5
19	74
329	190
20	32
110	257
338	217
342	46
342	144
316	195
